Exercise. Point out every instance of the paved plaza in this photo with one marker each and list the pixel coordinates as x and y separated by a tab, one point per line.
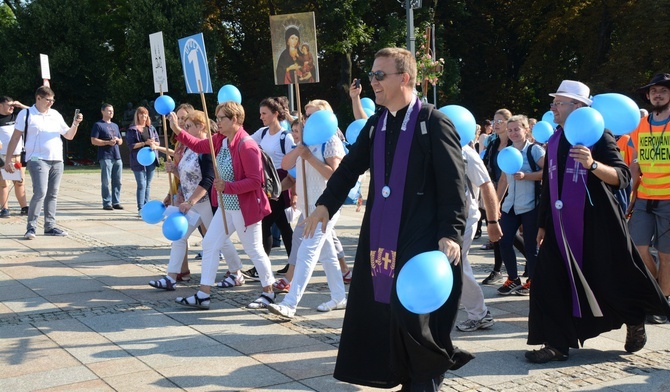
76	313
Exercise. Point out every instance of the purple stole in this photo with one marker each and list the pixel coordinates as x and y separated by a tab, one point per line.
567	210
387	208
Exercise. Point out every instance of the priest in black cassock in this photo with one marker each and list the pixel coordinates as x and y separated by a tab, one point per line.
589	277
416	204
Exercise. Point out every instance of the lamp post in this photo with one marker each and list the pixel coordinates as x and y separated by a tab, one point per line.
409	6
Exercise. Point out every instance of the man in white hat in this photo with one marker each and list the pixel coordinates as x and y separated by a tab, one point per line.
587	280
650	209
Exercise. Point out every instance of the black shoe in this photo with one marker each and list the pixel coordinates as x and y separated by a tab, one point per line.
545	354
656	319
24	210
283	270
478	234
251	274
636	338
107	208
117	207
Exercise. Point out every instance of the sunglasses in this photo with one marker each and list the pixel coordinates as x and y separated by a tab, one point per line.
380	75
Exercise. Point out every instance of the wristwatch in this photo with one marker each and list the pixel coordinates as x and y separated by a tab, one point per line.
594	166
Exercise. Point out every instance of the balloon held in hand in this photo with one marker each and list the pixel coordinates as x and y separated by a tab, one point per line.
425	282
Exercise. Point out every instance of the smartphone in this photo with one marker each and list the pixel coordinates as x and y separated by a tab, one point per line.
76	113
357	83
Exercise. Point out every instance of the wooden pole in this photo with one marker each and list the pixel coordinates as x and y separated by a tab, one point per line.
304	177
167	154
211	150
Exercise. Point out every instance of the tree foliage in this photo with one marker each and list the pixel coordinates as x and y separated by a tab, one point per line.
499	53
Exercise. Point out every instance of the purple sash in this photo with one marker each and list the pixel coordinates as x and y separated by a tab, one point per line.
567	210
387	208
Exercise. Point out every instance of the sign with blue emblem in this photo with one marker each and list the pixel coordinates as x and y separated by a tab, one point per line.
194	62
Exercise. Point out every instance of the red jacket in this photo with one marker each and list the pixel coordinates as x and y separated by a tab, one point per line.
248	170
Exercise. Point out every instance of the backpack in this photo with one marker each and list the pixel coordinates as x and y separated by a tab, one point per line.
282	138
271	184
534	167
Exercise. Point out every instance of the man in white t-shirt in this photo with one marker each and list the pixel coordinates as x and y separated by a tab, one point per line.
44	156
477	180
7	121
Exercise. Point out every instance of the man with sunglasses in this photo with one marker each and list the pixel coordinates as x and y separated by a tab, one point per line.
416	204
44	155
588	279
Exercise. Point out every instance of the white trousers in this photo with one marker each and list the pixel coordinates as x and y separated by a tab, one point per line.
310	250
472	297
179	247
251	238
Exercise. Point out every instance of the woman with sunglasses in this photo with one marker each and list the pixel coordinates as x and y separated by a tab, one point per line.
195	175
276	142
245	204
142	134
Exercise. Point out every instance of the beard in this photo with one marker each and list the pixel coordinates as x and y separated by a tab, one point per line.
660	108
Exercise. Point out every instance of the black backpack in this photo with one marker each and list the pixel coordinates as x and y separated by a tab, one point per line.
534	167
271	183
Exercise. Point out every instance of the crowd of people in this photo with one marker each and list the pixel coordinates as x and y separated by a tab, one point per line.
597	260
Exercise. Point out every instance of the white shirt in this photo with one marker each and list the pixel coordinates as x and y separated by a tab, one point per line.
44	131
477	175
6	132
316	183
271	144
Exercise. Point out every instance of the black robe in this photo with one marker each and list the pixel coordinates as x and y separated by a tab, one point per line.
622	285
383	345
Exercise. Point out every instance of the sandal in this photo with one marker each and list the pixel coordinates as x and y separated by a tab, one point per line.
163	283
194	301
545	354
184	276
262	301
230	280
281	285
332	305
636	338
346	277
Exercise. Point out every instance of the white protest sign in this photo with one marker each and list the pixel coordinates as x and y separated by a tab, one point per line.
44	66
158	62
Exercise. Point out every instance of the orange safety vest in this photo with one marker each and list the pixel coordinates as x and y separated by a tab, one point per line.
652	143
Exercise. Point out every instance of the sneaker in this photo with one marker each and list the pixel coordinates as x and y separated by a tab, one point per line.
198	256
251	274
332	305
4	213
281	310
283	270
494	277
636	338
473	325
281	286
509	286
487	246
525	289
30	234
656	319
117	207
24	210
56	232
346	277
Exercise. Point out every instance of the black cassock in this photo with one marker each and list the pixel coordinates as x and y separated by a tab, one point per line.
622	285
383	345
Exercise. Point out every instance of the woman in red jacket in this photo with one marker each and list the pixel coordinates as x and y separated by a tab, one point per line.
245	204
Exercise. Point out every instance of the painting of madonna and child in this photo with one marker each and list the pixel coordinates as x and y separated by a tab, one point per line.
294	51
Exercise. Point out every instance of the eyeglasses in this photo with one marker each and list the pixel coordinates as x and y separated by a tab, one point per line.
220	118
557	104
498	121
50	100
380	75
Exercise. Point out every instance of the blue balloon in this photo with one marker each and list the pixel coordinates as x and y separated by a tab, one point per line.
510	160
229	93
367	103
549	117
584	126
152	212
285	125
146	156
320	127
164	105
292	172
354	129
463	120
175	226
425	282
621	114
368	112
482	153
542	131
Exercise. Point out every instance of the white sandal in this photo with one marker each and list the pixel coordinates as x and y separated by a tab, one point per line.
332	305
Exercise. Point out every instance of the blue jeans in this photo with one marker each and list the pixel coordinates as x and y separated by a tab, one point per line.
110	171
509	223
143	178
45	176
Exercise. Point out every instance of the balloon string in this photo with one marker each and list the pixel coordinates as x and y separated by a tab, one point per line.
587	191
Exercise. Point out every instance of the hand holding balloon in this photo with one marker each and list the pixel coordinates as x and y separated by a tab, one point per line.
582	155
425	282
451	250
